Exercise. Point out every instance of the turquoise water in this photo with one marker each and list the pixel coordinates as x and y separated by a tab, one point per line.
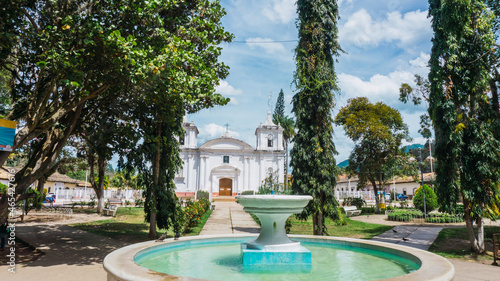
222	261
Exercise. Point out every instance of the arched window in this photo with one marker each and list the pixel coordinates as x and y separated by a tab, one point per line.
270	141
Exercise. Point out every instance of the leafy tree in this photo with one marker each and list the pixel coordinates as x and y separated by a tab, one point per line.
60	55
431	202
103	134
378	131
464	111
416	94
313	162
184	80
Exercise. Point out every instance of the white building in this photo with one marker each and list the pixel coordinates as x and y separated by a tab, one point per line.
227	166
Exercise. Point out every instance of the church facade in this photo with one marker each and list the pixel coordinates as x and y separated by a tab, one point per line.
227	166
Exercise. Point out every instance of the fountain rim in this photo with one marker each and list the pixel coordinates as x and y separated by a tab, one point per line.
120	264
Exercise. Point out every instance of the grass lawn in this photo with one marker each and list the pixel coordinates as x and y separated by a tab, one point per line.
353	229
454	243
129	226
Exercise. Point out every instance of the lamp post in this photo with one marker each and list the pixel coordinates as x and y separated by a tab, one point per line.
423	188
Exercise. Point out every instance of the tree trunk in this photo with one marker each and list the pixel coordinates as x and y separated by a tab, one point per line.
101	166
286	165
41	163
494	95
375	191
318	223
476	242
156	176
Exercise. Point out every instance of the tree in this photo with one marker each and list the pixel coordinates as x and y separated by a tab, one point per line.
184	81
288	125
59	56
279	109
378	131
431	202
464	110
421	90
104	133
313	162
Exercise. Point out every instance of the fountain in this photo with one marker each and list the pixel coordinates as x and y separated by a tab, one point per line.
273	246
273	255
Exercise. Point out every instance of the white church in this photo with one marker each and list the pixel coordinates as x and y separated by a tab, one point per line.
227	166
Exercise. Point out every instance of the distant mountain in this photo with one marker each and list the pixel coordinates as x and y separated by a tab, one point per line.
343	164
413	146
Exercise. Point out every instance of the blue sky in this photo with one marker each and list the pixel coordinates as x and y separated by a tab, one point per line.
386	43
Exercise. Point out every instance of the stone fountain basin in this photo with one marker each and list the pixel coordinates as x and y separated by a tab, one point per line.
291	204
120	264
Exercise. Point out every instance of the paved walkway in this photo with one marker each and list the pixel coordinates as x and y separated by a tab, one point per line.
229	218
69	254
421	236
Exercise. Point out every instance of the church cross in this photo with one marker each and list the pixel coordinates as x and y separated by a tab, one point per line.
227	127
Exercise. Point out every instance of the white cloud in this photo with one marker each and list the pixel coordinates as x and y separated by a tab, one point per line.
422	61
267	44
280	10
406	30
342	1
227	90
378	88
212	130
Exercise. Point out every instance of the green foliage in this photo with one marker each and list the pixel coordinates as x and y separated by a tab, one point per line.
202	195
367	210
139	202
271	184
279	109
431	202
92	202
313	162
421	90
404	215
354	201
193	213
463	106
248	192
35	200
410	215
3	188
378	131
341	217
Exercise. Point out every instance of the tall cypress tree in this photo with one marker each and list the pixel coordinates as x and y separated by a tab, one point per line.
279	109
313	162
463	113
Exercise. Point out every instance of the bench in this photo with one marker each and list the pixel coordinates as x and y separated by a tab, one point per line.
110	211
351	211
115	201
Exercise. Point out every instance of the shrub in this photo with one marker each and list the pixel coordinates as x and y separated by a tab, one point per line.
354	201
193	213
247	192
202	194
92	202
367	210
430	199
404	215
443	218
3	188
139	202
341	217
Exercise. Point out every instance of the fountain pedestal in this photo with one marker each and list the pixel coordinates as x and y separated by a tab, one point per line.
273	247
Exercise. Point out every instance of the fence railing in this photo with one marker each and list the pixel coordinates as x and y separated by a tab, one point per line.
89	194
